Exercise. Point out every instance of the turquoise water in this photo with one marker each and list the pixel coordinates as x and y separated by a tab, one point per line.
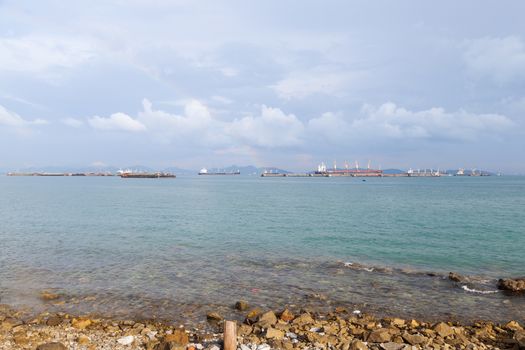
176	247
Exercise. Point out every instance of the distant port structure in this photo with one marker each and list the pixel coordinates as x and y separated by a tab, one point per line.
357	171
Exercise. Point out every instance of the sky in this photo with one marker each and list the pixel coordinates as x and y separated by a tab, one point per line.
290	84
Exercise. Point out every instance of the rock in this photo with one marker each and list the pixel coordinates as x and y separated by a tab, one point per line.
267	319
20	340
341	310
413	324
519	336
443	329
456	277
81	323
514	326
286	315
51	346
241	305
128	340
381	335
45	295
251	317
83	339
397	322
303	319
54	321
513	285
179	337
244	329
392	346
414	339
213	316
272	333
358	345
263	347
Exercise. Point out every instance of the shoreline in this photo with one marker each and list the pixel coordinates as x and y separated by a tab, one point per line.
257	329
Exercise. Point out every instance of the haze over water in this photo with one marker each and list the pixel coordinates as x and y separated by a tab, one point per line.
174	247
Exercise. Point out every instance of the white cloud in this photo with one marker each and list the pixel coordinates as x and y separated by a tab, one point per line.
38	54
273	128
11	119
389	121
321	80
500	59
72	122
117	121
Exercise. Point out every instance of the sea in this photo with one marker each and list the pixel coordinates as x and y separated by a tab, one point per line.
175	249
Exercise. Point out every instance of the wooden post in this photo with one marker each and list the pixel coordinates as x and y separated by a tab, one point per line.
230	335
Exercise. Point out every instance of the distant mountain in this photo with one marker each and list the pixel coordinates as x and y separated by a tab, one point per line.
180	171
248	170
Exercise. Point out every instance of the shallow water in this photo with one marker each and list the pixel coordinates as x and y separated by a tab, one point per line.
171	248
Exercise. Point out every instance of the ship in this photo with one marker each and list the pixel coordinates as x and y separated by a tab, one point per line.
460	172
322	170
128	174
424	173
205	171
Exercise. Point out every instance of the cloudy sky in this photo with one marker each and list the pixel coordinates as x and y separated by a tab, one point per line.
269	83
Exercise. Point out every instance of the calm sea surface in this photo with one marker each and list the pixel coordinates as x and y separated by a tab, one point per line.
176	248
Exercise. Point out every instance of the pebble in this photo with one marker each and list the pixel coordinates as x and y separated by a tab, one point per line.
126	340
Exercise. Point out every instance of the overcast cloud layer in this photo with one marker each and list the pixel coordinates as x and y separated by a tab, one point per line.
289	84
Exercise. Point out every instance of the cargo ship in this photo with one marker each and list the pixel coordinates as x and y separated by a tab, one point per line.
205	171
127	174
347	171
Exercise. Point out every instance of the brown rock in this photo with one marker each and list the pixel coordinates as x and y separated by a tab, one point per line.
514	326
443	329
83	339
381	335
414	339
272	333
178	337
392	346
358	345
81	323
519	336
241	305
213	316
341	310
455	277
251	317
286	315
413	324
244	329
51	346
513	285
54	321
398	322
20	339
267	319
45	295
303	319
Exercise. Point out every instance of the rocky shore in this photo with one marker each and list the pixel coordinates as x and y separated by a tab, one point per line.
258	330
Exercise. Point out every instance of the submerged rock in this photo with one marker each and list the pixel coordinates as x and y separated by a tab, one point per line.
214	316
241	305
456	277
513	285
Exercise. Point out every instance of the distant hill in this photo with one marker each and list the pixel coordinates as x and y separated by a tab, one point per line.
248	170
